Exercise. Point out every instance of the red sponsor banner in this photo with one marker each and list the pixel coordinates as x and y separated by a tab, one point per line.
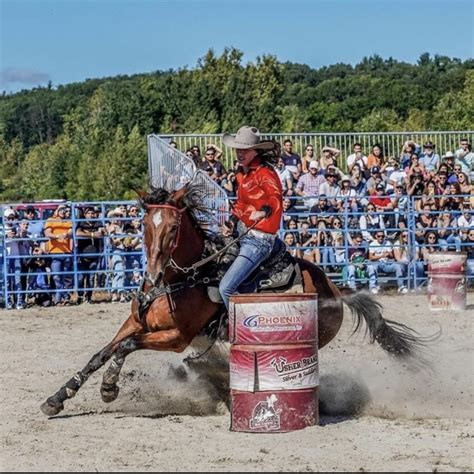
261	368
272	319
264	412
446	291
447	262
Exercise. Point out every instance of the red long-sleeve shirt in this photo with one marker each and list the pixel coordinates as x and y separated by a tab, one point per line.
258	187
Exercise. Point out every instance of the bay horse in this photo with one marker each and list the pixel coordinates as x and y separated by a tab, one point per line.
173	306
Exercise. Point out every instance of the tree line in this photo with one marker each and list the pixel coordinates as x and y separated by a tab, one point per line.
87	140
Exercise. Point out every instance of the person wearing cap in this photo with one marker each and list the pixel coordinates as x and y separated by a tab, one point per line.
429	159
376	177
308	184
382	203
89	237
58	229
259	205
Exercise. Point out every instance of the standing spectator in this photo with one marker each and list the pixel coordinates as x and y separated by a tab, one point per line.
429	159
285	176
59	231
357	157
381	255
115	234
359	267
215	169
328	157
133	257
36	226
465	157
18	247
309	184
39	281
292	160
217	151
307	158
89	244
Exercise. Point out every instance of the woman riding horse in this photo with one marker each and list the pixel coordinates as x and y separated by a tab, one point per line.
259	206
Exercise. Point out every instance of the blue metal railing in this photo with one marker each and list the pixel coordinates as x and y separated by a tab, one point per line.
117	269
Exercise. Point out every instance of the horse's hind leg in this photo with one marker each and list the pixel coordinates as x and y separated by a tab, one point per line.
109	389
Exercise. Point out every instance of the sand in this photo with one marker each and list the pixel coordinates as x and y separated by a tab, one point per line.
406	420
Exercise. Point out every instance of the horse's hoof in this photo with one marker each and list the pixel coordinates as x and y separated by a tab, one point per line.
109	393
50	410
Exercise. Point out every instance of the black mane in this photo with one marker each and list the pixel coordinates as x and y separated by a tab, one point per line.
193	200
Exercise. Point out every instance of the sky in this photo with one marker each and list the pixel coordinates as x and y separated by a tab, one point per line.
66	41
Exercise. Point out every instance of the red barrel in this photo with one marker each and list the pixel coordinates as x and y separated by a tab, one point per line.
274	370
277	411
447	281
279	367
273	318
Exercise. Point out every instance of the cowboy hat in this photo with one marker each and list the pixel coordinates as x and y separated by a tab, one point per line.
246	138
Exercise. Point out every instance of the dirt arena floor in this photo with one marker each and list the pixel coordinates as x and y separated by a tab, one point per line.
406	420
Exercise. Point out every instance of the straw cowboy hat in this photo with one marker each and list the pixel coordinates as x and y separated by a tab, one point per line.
247	138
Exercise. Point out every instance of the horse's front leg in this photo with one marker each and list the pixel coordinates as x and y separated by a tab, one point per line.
54	404
164	340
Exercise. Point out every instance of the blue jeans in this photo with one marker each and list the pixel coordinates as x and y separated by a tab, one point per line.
253	251
370	273
118	271
451	241
17	282
392	267
61	263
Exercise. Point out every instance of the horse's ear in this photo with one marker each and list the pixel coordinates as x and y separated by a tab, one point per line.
179	194
142	195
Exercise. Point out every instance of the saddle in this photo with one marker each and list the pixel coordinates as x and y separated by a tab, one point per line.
279	273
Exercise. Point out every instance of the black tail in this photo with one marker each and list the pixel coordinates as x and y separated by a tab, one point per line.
395	338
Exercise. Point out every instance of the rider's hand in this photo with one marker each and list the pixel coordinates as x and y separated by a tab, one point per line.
257	215
227	229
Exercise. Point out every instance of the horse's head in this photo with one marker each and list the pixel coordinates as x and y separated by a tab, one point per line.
165	229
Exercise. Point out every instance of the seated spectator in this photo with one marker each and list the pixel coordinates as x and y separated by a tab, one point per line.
375	178
416	168
292	226
288	210
383	204
395	174
323	209
381	256
309	184
464	183
429	196
292	160
229	183
196	155
425	220
217	151
403	254
292	245
39	281
429	159
323	252
429	245
464	223
328	157
448	161
441	181
416	185
357	157
376	158
359	268
307	158
329	187
369	222
468	247
452	198
285	176
399	202
359	185
447	229
409	149
347	196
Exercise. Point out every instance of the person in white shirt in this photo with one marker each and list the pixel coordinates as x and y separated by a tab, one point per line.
465	157
286	177
381	256
429	159
357	157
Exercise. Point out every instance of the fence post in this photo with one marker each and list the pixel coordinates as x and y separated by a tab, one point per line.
74	247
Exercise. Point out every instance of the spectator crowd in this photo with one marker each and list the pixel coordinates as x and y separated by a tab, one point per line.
380	217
